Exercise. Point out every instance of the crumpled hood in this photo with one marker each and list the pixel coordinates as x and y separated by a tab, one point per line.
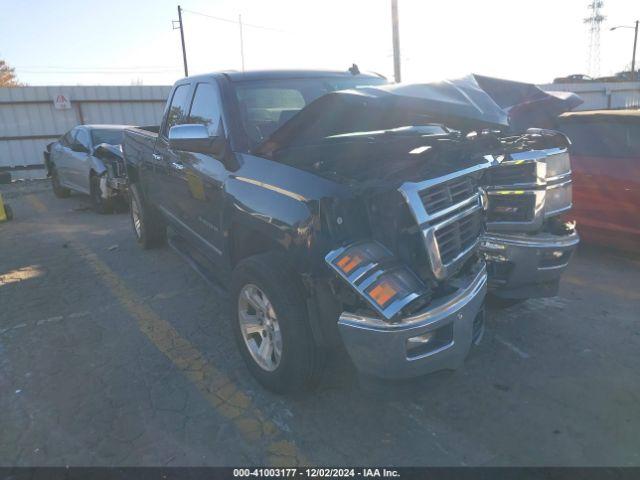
470	103
115	150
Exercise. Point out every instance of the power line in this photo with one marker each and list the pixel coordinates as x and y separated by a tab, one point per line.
95	68
236	22
101	72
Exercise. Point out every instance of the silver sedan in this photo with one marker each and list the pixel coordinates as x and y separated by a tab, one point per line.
88	159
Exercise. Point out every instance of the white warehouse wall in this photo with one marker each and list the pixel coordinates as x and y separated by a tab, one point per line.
29	120
601	95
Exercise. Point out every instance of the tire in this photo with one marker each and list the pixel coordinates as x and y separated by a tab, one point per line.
8	212
58	190
148	226
299	364
98	203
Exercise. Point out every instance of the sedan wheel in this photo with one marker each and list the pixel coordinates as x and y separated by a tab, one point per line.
58	190
260	328
99	204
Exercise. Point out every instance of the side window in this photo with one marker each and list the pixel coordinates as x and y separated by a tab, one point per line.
177	108
205	108
83	138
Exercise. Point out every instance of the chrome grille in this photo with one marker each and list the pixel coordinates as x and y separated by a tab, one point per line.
447	194
458	236
511	207
449	212
513	174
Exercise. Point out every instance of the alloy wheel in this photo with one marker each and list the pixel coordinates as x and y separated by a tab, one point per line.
135	217
260	328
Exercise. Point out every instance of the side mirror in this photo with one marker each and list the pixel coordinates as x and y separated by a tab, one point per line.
194	138
78	147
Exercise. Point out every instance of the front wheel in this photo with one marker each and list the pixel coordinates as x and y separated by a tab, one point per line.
58	190
270	324
98	202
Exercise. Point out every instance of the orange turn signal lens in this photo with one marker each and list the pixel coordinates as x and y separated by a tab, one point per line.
349	262
382	293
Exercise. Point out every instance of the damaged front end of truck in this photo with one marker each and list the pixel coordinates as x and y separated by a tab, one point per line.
528	244
440	190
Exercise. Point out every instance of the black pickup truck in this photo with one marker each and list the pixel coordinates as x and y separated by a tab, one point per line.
342	210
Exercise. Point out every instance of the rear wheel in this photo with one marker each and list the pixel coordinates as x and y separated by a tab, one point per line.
148	226
271	327
58	190
98	202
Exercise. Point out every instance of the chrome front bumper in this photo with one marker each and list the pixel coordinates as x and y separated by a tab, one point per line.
455	321
527	266
112	186
116	183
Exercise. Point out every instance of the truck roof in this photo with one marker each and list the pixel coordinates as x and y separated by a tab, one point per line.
236	76
95	126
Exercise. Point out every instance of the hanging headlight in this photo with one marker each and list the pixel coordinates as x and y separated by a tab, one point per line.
385	283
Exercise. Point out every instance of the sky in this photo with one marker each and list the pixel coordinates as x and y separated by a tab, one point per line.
124	42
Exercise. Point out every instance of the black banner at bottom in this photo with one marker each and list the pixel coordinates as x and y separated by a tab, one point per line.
404	473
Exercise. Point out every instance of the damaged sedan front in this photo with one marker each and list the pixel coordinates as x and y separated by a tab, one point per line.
88	159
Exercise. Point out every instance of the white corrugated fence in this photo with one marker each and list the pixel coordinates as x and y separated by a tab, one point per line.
30	117
601	95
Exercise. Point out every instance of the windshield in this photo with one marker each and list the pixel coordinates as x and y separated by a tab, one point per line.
265	105
110	136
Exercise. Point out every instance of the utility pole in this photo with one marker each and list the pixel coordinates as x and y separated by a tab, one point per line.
241	41
184	50
396	41
634	74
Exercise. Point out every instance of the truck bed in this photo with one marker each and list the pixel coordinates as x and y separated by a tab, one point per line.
139	143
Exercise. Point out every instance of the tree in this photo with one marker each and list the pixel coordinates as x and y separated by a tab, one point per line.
7	76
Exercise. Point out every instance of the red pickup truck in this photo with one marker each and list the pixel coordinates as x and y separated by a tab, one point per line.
605	160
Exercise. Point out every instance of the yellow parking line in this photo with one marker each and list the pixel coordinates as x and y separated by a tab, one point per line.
37	204
226	398
609	289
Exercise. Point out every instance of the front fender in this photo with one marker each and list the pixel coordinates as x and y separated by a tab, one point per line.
285	218
282	203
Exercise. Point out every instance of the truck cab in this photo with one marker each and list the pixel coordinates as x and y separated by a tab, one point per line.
341	210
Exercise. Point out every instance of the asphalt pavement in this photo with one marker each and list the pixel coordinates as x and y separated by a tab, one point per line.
110	355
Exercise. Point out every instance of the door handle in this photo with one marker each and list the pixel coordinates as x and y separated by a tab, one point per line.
157	157
177	165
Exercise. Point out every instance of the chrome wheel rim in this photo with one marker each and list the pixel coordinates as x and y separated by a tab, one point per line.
260	328
135	216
